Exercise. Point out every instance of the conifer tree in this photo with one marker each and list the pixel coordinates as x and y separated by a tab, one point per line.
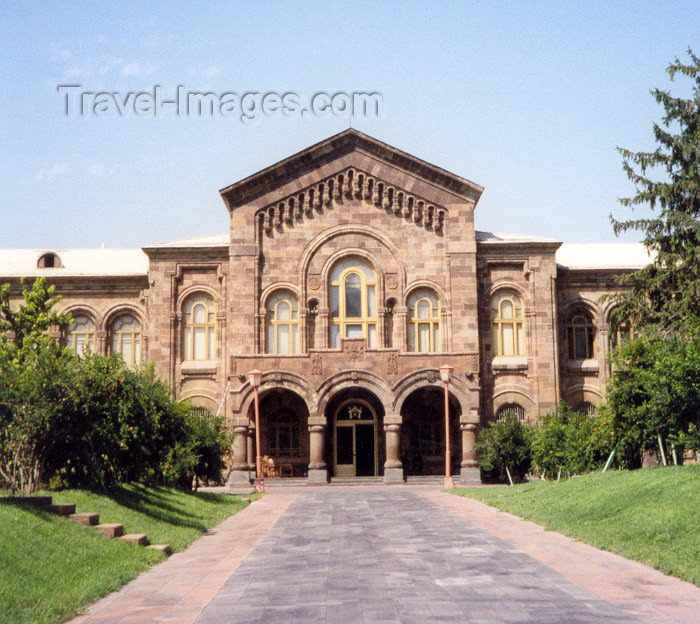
666	294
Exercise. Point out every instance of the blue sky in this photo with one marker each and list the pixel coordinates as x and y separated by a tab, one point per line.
528	99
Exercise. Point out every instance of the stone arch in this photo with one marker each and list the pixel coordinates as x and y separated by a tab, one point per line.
85	308
428	284
270	290
195	289
364	379
201	398
431	377
317	243
277	379
513	393
583	392
120	308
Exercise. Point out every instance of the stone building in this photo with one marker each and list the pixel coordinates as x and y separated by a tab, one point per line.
351	272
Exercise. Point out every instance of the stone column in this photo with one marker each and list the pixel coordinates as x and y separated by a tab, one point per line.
393	468
470	472
250	452
318	472
239	469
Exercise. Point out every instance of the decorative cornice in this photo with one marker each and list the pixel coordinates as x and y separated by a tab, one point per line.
351	183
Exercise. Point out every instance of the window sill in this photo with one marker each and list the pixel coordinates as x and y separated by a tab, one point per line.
504	363
198	367
583	366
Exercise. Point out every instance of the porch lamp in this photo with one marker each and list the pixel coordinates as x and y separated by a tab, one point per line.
446	377
254	379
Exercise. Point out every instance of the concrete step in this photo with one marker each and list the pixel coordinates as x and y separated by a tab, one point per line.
62	509
285	482
88	519
164	548
356	480
111	530
426	479
140	539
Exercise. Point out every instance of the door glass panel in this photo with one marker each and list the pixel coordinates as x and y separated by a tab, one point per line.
283	339
424	337
353	296
200	343
345	449
508	339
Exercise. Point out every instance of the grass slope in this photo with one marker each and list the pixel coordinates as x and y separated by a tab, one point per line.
650	515
51	568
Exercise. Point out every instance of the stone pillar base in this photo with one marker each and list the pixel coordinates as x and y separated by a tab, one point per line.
393	475
318	476
469	476
239	477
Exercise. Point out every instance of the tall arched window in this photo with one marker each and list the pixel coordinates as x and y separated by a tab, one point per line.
199	328
580	334
80	335
126	338
282	320
353	302
423	321
511	410
508	322
623	333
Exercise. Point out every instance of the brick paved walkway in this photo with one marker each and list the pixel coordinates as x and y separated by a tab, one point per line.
392	554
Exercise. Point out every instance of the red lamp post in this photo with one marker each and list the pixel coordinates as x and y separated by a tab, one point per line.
446	377
254	378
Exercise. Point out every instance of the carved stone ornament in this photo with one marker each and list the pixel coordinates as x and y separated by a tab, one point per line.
392	364
314	283
354	350
316	364
392	282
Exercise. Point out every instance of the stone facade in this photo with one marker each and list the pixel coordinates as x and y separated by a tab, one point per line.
355	405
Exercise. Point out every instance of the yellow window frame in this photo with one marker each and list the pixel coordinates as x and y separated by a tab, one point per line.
342	320
272	321
432	322
498	323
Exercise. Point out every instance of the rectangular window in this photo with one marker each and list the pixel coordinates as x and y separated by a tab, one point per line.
335	336
372	336
353	331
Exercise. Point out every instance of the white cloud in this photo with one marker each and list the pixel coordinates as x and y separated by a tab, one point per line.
46	174
211	72
96	169
138	69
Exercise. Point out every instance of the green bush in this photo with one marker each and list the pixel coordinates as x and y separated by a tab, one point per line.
505	444
655	391
568	443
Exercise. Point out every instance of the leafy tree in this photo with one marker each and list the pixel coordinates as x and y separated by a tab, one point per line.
505	446
666	293
34	381
655	391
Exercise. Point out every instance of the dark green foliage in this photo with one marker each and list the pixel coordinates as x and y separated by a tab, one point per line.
568	443
90	421
505	444
655	390
667	292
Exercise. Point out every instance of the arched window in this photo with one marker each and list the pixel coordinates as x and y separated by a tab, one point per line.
49	260
282	320
199	328
353	299
423	321
508	322
580	333
624	332
80	335
511	410
126	338
584	408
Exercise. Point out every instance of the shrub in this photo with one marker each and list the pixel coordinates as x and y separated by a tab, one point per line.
505	446
566	442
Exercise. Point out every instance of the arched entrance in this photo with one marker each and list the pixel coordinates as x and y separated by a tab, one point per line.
284	438
357	439
423	432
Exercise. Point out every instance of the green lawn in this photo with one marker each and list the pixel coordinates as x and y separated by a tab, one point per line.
650	515
51	567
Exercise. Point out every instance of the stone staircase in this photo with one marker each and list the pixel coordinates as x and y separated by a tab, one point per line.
110	530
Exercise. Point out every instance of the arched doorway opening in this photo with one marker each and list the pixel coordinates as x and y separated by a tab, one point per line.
356	444
423	432
284	437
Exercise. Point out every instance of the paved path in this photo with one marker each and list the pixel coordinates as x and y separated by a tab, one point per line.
392	554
